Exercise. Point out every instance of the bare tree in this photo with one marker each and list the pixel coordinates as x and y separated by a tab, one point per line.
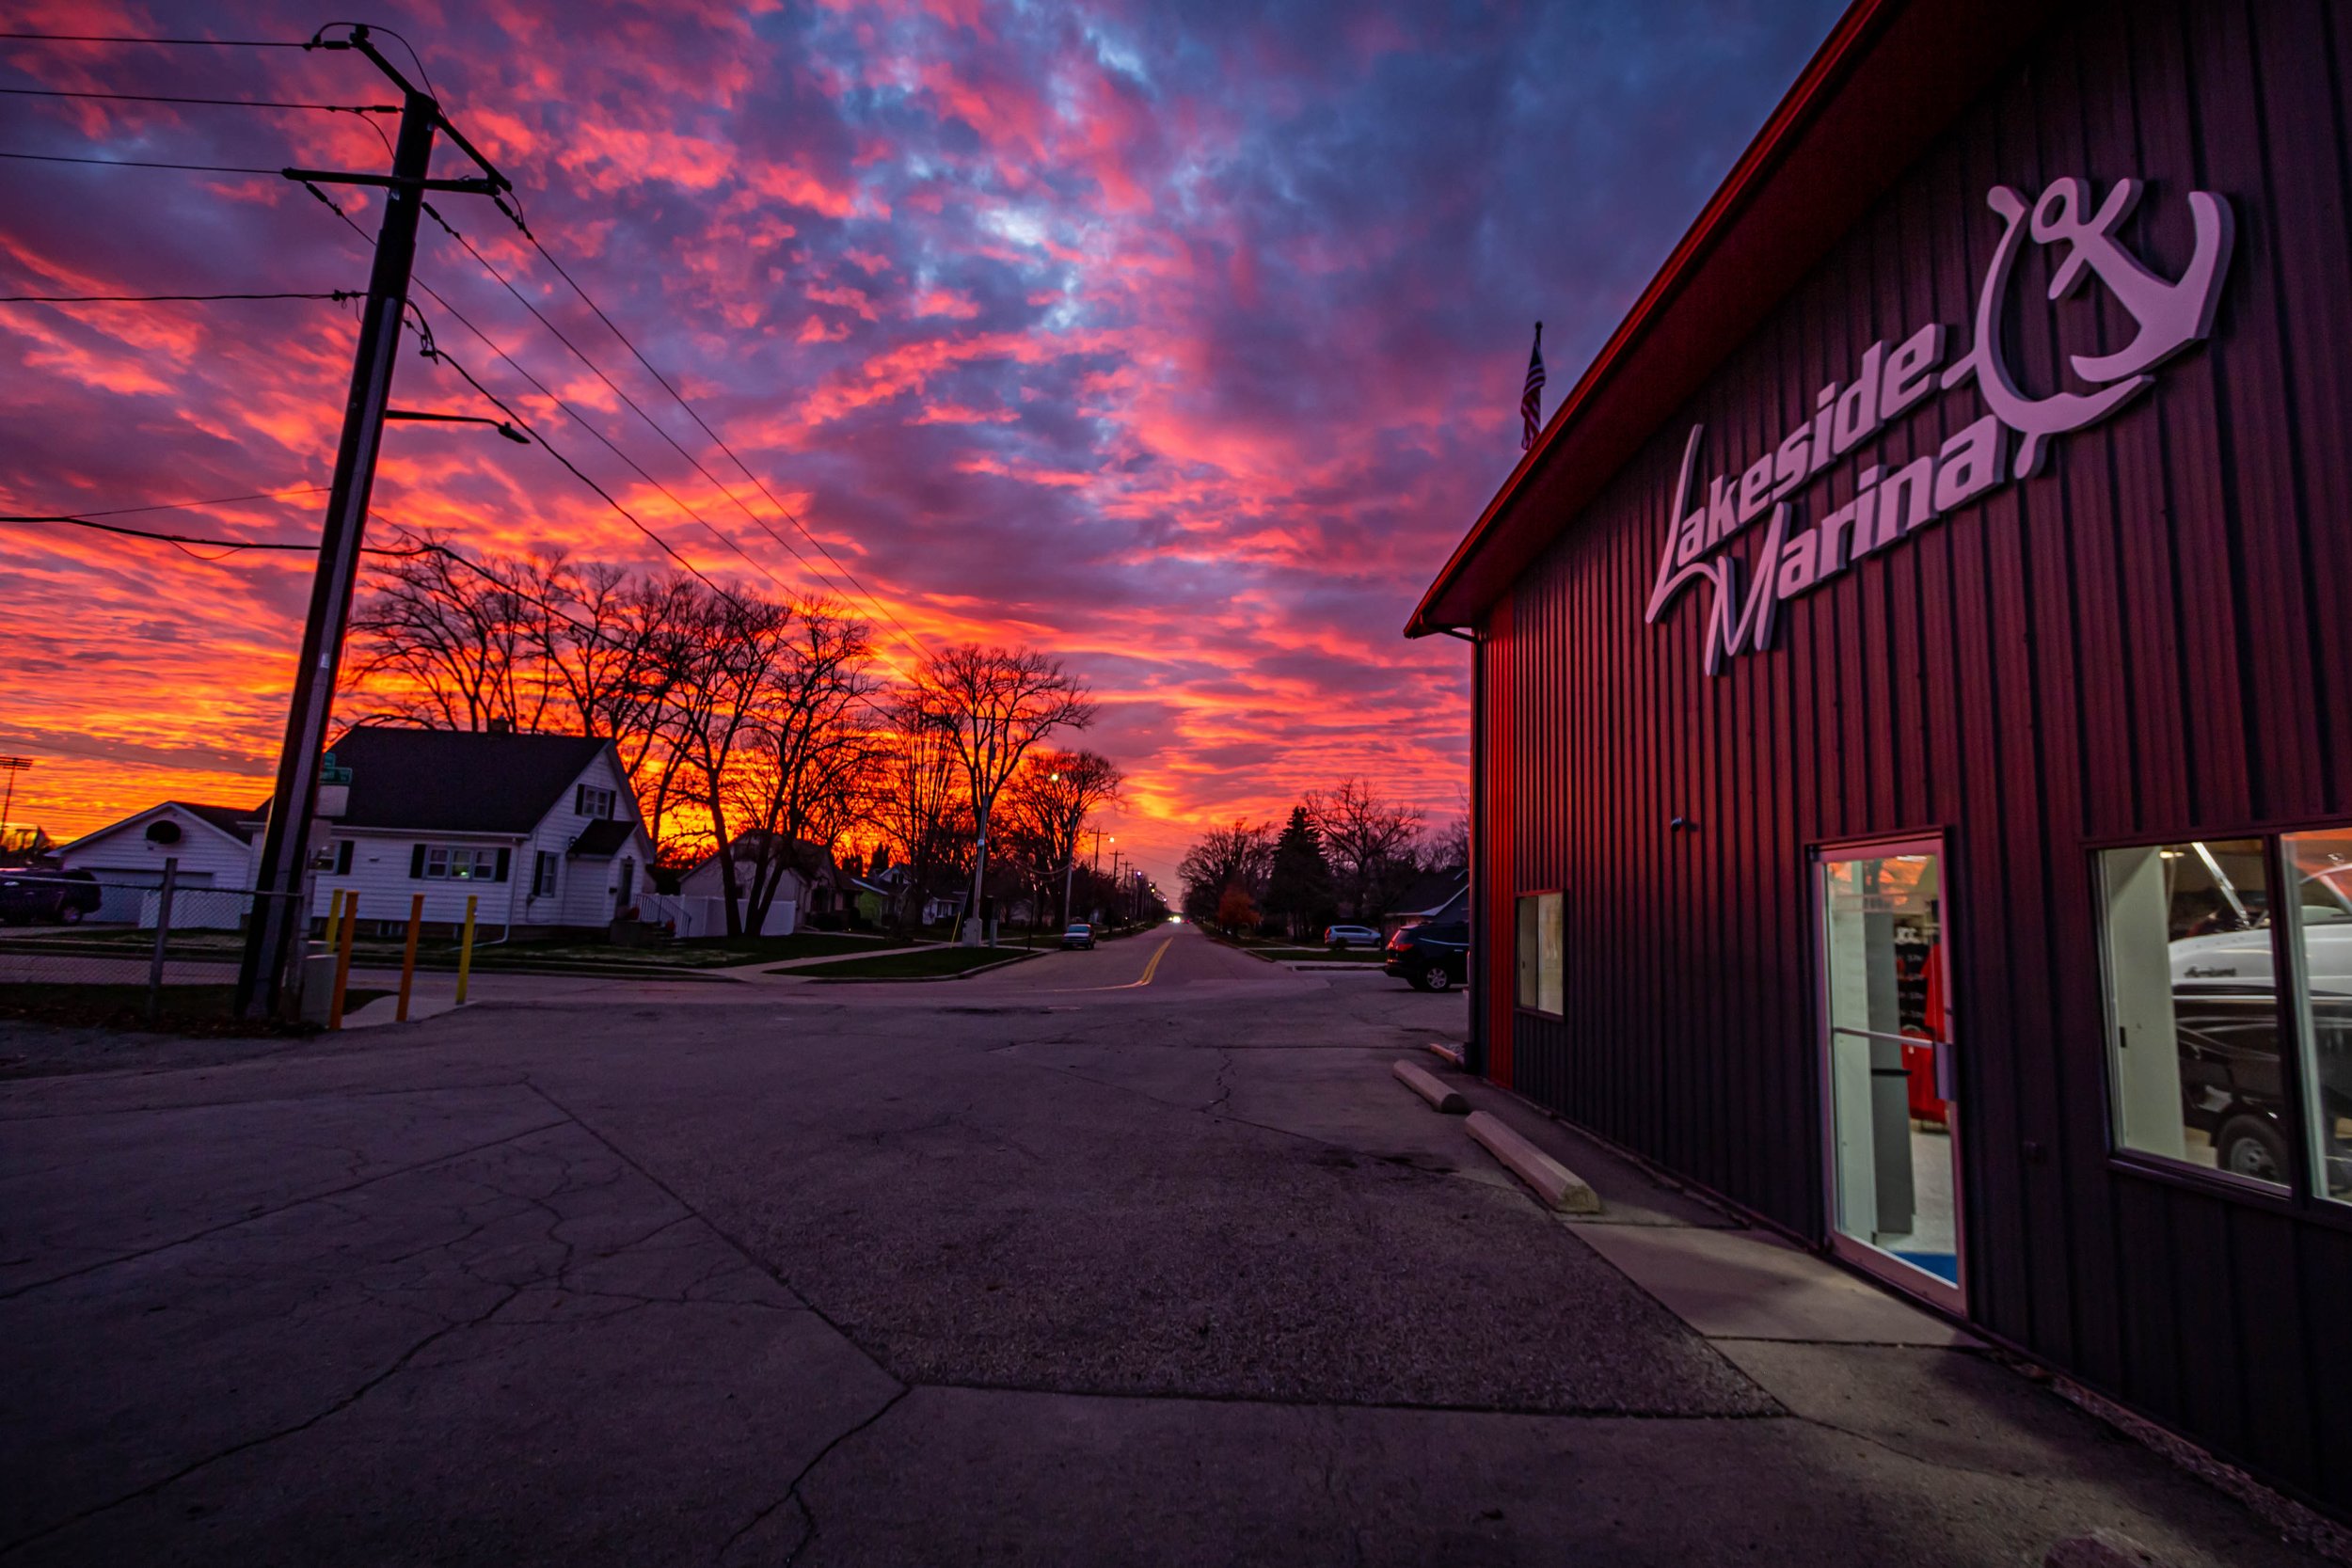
723	678
798	785
1241	856
449	645
1369	843
1046	805
1448	847
918	797
995	705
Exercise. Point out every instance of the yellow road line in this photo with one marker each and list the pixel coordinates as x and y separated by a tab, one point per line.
1154	967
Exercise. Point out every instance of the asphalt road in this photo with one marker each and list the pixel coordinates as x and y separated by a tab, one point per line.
1136	1256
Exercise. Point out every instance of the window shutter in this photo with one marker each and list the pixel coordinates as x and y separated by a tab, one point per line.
504	856
580	799
416	862
342	858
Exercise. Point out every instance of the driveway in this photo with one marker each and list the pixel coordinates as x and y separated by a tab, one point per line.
1132	1256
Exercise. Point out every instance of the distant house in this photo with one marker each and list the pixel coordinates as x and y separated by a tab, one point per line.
541	831
809	884
213	846
894	884
1434	896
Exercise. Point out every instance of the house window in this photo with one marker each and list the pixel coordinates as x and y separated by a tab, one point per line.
543	875
588	800
2200	1070
457	863
1541	954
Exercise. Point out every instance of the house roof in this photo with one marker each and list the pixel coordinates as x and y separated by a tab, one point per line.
1892	75
752	843
236	822
458	780
604	837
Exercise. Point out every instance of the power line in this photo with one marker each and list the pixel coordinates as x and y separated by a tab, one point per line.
216	103
443	355
337	294
639	410
226	546
219	500
691	413
140	163
433	350
318	40
117	37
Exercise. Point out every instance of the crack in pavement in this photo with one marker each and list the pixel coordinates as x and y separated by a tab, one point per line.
345	1403
733	1240
268	1212
792	1493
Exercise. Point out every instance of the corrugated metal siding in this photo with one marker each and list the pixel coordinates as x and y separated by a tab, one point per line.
2148	638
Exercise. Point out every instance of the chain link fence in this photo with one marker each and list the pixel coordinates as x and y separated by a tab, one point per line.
73	944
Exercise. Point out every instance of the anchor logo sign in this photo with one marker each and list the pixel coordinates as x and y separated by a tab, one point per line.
2170	316
1888	501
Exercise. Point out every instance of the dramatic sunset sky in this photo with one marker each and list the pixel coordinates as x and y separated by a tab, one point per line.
1182	340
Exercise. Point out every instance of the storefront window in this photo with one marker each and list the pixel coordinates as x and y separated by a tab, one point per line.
2192	1007
2319	866
1541	952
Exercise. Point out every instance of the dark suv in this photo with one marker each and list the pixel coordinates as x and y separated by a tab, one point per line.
46	897
1430	957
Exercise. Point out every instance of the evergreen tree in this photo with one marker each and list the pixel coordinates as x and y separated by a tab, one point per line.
1298	890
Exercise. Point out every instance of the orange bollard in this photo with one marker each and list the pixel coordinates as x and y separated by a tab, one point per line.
408	959
465	951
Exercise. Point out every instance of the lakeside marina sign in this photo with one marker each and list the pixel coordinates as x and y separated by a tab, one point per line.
1887	507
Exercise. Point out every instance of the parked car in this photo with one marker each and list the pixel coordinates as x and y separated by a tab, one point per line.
1430	957
1340	938
1079	935
47	897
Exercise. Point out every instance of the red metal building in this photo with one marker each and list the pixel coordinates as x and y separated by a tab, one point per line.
1914	700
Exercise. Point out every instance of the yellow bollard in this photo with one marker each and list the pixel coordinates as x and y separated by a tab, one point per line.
334	917
465	951
343	962
408	959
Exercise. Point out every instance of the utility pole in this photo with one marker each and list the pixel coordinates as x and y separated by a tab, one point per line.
281	880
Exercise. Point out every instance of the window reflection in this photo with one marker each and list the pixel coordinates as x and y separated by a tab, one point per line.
2320	868
2193	1008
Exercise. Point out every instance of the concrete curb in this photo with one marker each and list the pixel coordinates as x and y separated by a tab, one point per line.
1558	1186
1441	1097
915	979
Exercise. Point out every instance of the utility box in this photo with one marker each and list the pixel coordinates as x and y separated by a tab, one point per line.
318	983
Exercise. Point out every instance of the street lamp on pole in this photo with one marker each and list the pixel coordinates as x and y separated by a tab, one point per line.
11	767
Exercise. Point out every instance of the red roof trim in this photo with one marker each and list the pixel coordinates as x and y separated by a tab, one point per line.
1890	77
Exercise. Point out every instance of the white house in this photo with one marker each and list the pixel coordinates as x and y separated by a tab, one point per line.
701	900
541	831
213	846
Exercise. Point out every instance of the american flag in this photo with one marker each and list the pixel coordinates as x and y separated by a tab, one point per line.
1531	396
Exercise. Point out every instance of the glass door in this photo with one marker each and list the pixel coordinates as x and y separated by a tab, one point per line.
1892	1128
